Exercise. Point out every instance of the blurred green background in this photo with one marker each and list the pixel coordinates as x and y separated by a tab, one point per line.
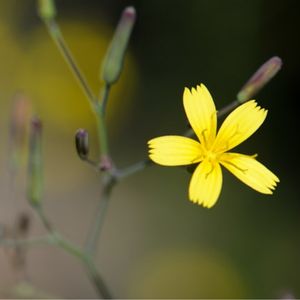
155	243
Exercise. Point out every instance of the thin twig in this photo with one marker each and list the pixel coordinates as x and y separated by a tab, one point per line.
46	222
137	167
228	108
93	237
103	95
59	40
42	240
97	279
56	238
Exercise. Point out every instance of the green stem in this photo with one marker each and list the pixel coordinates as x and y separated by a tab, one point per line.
56	239
92	241
137	167
96	278
42	240
102	133
59	40
228	108
100	117
103	96
47	224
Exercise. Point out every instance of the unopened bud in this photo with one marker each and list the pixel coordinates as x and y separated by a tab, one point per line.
82	143
35	182
46	9
260	78
22	224
114	59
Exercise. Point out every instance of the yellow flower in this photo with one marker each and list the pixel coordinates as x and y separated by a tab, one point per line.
211	152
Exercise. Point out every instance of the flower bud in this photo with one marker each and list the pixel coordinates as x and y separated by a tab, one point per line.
82	143
260	78
113	62
35	186
46	9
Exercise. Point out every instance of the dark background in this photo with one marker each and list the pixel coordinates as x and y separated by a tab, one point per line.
155	243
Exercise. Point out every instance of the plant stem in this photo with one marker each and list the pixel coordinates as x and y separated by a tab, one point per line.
96	278
88	262
91	244
228	108
103	95
56	238
26	242
137	167
59	40
98	109
102	133
47	224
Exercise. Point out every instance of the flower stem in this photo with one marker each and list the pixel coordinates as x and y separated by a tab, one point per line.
102	132
47	224
103	95
98	109
59	40
93	237
134	168
26	242
88	262
228	108
57	239
96	278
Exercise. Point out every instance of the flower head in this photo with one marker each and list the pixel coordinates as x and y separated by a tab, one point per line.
212	150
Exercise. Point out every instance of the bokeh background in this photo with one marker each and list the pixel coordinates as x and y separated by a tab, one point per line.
155	243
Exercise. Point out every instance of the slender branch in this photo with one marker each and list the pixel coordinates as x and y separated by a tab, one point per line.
97	279
56	238
228	108
47	224
93	237
102	133
137	167
88	262
59	40
103	95
42	240
99	110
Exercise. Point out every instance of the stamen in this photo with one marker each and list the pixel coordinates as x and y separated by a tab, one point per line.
197	158
237	132
207	174
203	135
235	166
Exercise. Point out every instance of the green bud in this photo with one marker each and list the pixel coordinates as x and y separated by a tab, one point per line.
82	143
35	163
260	78
114	59
46	9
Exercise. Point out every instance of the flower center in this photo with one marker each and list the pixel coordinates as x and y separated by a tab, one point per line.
211	156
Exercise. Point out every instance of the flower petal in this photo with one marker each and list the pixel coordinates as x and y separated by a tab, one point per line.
206	183
239	125
250	171
173	150
201	113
